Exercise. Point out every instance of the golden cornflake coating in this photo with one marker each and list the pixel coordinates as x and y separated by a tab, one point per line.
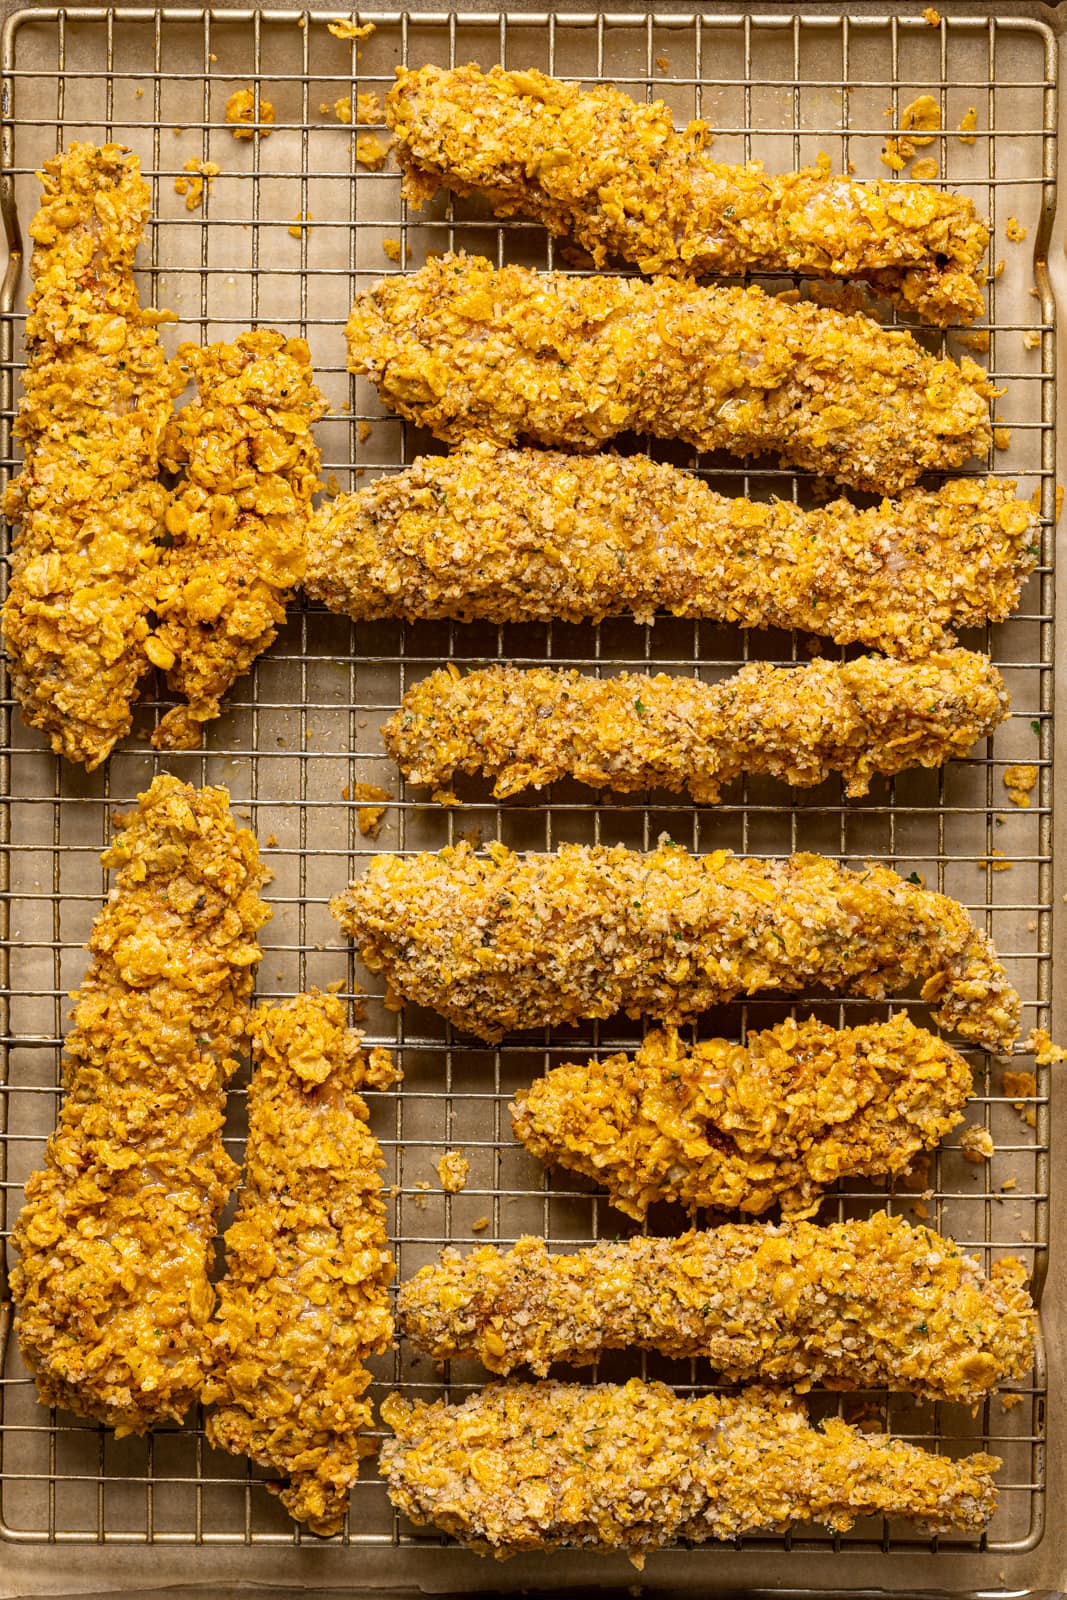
858	718
98	395
498	941
533	535
634	1467
617	177
475	352
305	1297
116	1238
748	1126
239	524
852	1305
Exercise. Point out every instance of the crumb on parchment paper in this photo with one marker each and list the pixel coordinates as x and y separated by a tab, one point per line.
199	184
241	112
367	112
479	1224
299	225
1020	781
453	1170
371	151
368	818
1014	230
1046	1054
976	1144
391	248
364	430
925	169
932	17
968	122
1020	1083
1009	1401
348	28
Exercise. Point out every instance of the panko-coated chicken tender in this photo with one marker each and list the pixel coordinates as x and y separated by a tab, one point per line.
116	1239
305	1297
472	351
773	1121
618	177
499	941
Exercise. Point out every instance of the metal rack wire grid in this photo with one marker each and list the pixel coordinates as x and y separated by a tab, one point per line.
292	226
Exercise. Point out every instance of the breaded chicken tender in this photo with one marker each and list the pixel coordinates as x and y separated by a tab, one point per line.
744	1127
305	1298
801	724
87	504
851	1305
238	525
618	178
471	351
635	1467
498	941
535	535
115	1242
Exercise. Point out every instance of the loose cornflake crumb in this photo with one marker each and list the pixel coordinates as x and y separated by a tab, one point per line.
925	169
391	248
453	1170
364	430
241	111
299	224
1010	1183
1008	1402
480	1225
921	119
1020	781
663	64
996	861
194	188
976	1144
367	111
1014	230
978	340
347	28
1002	438
932	17
1046	1054
1021	1083
369	818
370	151
968	121
1031	339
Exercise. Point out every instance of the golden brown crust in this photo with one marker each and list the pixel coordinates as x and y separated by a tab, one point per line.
474	352
801	724
537	1466
305	1297
871	1304
616	176
498	941
97	396
238	525
116	1238
536	535
773	1121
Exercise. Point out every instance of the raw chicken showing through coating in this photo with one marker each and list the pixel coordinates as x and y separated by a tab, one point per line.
87	504
771	1122
471	351
859	718
618	178
853	1305
535	535
497	942
635	1467
305	1298
238	524
116	1239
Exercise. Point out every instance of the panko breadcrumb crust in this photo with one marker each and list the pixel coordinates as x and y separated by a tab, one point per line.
98	394
537	535
858	718
499	941
617	177
305	1298
238	523
773	1121
634	1467
871	1304
115	1242
472	351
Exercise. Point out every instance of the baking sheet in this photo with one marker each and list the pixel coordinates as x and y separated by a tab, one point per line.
302	730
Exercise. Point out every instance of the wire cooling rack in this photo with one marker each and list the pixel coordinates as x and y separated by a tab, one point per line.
292	226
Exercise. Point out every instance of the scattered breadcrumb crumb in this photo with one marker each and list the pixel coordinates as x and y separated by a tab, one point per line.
272	841
347	28
1046	1054
453	1170
241	111
978	340
968	121
932	17
925	169
368	110
1020	781
976	1144
1002	438
1031	339
999	268
921	118
391	248
364	430
996	861
1014	230
138	94
200	183
423	1184
1031	926
1009	1183
369	818
370	151
336	986
1008	1402
1021	1083
479	1224
896	153
663	64
299	224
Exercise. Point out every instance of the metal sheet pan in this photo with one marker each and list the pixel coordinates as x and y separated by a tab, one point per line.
80	1510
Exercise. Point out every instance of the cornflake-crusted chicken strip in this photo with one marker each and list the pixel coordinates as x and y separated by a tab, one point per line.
475	352
800	724
617	177
773	1121
500	941
533	535
851	1305
98	395
239	524
634	1467
116	1238
305	1297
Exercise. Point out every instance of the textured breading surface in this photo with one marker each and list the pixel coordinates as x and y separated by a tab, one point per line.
616	176
801	724
238	524
305	1297
475	352
535	535
97	396
852	1305
748	1126
634	1467
499	941
116	1238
